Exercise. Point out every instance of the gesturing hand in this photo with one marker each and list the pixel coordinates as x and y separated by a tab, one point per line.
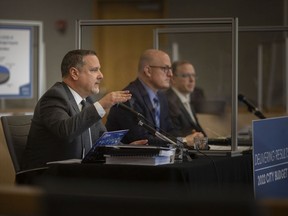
113	98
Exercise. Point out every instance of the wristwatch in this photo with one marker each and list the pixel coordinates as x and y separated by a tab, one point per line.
183	140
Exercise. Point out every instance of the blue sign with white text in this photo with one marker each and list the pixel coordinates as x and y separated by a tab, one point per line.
16	62
270	157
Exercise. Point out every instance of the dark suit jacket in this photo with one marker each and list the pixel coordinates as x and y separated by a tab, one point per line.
121	119
58	128
197	97
183	123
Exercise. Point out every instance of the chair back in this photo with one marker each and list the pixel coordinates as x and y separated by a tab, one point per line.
16	129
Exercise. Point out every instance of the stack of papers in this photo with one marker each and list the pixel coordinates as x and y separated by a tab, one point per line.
227	148
139	155
139	160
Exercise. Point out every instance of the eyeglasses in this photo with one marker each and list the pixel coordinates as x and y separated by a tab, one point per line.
187	75
165	69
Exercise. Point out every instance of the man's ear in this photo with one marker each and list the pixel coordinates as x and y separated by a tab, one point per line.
74	73
147	71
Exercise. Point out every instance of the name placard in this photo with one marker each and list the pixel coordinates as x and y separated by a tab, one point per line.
270	158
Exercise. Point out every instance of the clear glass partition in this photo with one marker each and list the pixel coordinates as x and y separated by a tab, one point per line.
214	55
262	70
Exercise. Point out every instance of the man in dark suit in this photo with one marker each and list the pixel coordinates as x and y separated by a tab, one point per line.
61	127
197	97
154	74
179	95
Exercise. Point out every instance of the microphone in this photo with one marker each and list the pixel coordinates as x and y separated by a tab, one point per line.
156	133
179	144
129	109
251	108
144	125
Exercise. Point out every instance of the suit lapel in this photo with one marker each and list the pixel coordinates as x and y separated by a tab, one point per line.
193	112
197	123
146	99
187	115
182	107
71	98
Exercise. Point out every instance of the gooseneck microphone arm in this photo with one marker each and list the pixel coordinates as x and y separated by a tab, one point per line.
251	108
156	133
129	109
152	130
178	145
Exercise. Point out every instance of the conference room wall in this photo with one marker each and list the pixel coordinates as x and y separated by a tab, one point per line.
57	43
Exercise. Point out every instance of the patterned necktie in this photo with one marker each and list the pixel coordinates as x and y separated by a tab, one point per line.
156	107
86	137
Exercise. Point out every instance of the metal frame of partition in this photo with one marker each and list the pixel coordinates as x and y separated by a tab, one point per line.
240	29
207	21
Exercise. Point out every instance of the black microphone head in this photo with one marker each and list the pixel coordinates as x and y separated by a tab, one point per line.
241	97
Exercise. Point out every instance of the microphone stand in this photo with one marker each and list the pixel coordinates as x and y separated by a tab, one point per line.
180	149
179	145
251	107
257	113
157	133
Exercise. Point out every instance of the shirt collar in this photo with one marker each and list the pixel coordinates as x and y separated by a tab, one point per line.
76	96
150	93
183	97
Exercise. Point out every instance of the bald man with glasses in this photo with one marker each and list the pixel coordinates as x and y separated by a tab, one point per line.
154	74
179	95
